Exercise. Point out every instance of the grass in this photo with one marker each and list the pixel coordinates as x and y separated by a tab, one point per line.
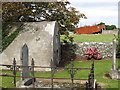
101	68
91	38
7	82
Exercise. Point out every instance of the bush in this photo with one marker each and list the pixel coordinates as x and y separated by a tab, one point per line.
92	53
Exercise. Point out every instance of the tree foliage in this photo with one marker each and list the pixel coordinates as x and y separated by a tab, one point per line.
67	17
108	27
100	23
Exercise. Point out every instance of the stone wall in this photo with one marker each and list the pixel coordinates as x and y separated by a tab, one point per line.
110	32
78	49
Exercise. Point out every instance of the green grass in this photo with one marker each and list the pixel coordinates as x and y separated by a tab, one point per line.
7	82
91	38
101	68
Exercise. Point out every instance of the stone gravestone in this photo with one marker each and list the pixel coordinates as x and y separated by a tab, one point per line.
114	55
114	73
25	80
24	60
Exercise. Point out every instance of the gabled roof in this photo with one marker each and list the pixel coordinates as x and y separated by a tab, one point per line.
89	29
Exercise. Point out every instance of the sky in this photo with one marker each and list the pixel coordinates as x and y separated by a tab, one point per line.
97	11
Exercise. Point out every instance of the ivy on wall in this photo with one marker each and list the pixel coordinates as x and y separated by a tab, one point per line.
6	41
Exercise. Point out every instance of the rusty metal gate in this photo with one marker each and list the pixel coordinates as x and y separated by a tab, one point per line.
71	70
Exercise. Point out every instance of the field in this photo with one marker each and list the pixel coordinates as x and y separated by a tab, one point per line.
102	67
91	38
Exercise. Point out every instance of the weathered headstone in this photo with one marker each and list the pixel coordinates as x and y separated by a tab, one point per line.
114	55
24	60
114	73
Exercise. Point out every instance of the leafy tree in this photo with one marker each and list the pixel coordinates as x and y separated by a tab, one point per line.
67	17
100	23
108	27
113	27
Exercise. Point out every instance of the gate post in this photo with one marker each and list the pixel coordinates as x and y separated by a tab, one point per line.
32	72
91	84
14	71
53	70
72	71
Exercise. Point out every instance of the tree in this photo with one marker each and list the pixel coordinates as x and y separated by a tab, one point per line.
67	17
108	27
100	23
113	27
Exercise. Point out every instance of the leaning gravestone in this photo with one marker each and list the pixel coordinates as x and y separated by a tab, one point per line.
24	60
114	73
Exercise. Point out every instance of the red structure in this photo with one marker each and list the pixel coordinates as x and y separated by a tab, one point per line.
90	29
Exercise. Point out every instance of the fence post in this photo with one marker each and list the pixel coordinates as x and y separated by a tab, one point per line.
89	81
90	84
32	72
52	73
92	72
72	71
14	71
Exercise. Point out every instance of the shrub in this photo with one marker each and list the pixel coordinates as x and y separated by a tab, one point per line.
92	53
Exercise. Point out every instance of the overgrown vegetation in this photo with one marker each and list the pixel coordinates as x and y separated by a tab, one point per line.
43	11
101	69
7	40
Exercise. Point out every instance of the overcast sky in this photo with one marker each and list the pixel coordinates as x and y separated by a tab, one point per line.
97	11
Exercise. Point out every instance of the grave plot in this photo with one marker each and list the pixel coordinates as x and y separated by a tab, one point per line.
43	40
29	80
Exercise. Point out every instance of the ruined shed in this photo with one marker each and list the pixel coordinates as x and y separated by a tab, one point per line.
43	41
